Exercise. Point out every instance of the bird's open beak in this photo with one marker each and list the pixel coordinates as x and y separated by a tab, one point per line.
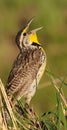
33	31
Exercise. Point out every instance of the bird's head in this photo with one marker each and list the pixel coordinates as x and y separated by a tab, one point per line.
27	38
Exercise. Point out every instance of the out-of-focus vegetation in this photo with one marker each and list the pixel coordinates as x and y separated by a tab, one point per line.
52	14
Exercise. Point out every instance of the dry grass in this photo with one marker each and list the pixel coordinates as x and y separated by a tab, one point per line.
2	88
26	119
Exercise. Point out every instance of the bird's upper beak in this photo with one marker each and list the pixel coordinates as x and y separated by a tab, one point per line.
27	26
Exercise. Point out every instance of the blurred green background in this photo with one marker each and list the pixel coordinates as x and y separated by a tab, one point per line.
52	15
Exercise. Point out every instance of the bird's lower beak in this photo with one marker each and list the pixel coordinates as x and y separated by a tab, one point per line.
32	31
35	30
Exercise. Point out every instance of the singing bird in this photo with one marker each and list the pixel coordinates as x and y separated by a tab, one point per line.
28	67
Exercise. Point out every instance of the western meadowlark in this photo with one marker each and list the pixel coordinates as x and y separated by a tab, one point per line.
28	66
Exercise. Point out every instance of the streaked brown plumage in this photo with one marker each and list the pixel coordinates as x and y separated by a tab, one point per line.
26	72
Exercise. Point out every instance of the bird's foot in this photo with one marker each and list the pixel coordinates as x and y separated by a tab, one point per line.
33	117
29	110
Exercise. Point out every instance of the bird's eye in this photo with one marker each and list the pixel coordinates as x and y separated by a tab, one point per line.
24	34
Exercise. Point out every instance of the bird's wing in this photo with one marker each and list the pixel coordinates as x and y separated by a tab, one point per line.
16	72
24	70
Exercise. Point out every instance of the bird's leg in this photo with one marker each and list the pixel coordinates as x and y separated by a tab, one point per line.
33	117
27	106
28	109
